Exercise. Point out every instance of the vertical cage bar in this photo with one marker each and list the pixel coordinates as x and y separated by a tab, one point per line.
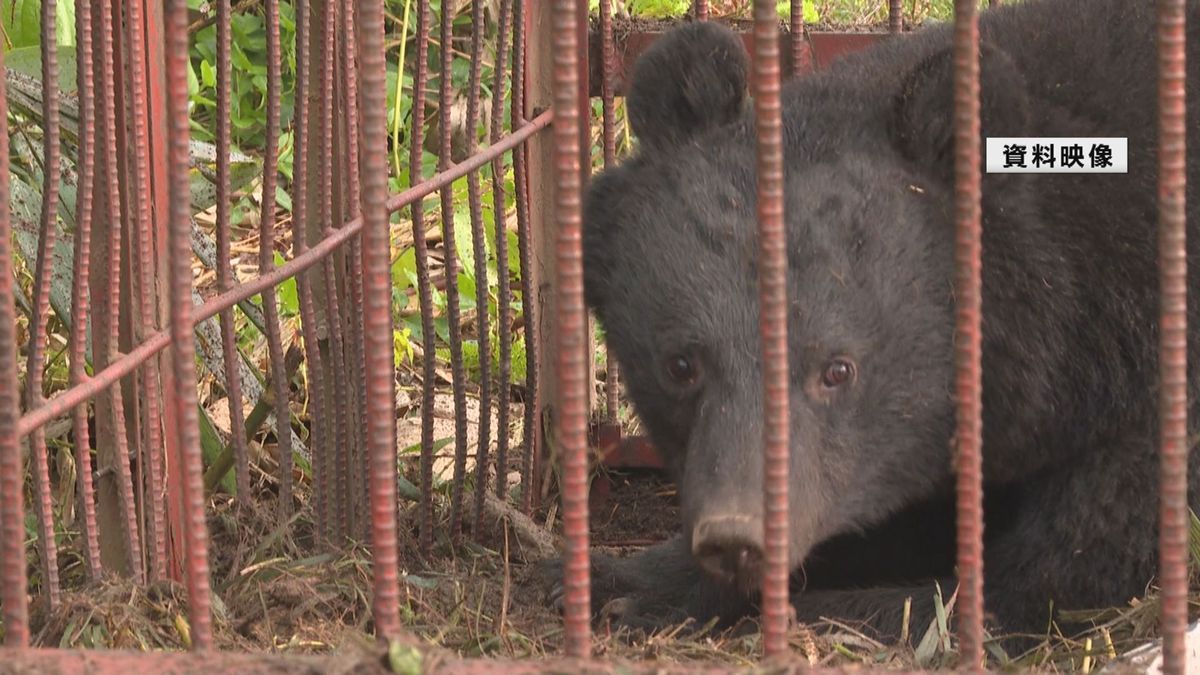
107	119
42	504
182	339
895	16
144	322
424	284
504	293
772	243
479	247
612	385
571	375
801	57
968	338
381	434
266	263
160	187
318	438
80	287
1173	393
450	253
12	507
354	265
225	281
339	495
700	9
531	439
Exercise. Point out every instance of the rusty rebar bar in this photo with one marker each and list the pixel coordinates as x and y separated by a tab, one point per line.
801	57
146	311
772	282
612	380
35	364
968	393
318	411
336	461
107	125
504	292
530	441
349	81
381	394
80	290
1173	392
424	285
12	506
266	263
479	248
225	281
572	371
450	262
179	274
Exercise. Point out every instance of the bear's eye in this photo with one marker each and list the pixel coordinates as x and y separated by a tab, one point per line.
681	369
838	372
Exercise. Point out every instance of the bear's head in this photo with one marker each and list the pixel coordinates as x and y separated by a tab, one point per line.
670	248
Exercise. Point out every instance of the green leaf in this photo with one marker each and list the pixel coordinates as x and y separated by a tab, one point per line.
289	302
22	22
211	447
28	61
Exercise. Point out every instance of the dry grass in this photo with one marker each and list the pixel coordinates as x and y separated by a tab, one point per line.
273	593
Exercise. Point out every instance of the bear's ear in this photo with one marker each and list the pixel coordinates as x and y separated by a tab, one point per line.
691	79
923	123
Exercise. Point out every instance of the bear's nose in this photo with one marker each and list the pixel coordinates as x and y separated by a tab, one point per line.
730	548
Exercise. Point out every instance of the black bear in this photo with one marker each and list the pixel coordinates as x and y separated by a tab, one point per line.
1070	320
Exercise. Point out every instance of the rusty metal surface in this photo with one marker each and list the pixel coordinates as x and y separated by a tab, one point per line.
107	125
179	277
450	262
145	311
424	285
80	293
479	248
12	500
531	438
967	340
377	313
504	292
42	505
319	417
349	81
266	263
336	465
225	281
612	385
160	187
572	413
800	53
772	294
1173	392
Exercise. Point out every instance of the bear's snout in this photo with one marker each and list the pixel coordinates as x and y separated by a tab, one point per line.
730	548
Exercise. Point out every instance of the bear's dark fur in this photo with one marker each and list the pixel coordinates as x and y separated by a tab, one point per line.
1070	307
